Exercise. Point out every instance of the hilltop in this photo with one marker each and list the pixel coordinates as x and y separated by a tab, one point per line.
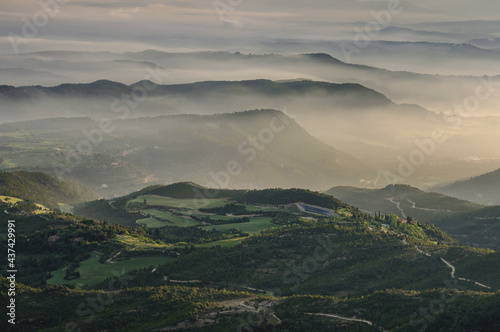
192	190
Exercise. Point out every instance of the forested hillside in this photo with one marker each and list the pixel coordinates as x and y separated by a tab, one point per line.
41	188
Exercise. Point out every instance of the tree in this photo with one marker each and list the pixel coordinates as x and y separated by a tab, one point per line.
392	220
156	234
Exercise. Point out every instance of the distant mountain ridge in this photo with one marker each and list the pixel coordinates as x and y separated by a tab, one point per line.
199	148
261	149
483	189
107	88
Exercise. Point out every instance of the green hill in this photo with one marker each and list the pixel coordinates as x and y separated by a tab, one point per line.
264	196
287	196
403	200
180	196
427	207
193	190
285	278
477	228
41	188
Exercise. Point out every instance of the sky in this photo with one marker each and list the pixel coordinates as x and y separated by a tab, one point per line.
134	25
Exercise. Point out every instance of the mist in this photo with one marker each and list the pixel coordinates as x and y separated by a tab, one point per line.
398	99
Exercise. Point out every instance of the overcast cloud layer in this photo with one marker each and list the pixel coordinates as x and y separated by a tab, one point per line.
132	25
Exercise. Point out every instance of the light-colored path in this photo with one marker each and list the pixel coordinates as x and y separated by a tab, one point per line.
343	318
398	206
452	267
453	270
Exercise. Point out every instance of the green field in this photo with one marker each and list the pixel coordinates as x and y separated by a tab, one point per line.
175	220
137	243
152	223
255	226
41	209
191	204
345	212
11	200
93	272
253	208
216	217
223	243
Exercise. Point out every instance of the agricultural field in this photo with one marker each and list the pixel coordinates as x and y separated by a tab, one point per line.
92	272
254	208
151	223
223	243
139	244
10	200
175	220
255	226
159	211
42	209
214	219
217	217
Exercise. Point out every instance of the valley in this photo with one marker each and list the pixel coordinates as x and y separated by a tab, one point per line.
250	166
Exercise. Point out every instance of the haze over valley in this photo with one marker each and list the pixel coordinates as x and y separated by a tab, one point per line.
250	165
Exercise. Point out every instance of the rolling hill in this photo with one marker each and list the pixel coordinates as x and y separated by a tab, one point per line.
357	117
403	200
352	117
253	149
427	207
476	228
483	189
42	188
206	97
350	93
292	274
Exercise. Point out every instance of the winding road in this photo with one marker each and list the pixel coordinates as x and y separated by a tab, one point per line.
343	318
398	206
414	206
426	209
453	269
